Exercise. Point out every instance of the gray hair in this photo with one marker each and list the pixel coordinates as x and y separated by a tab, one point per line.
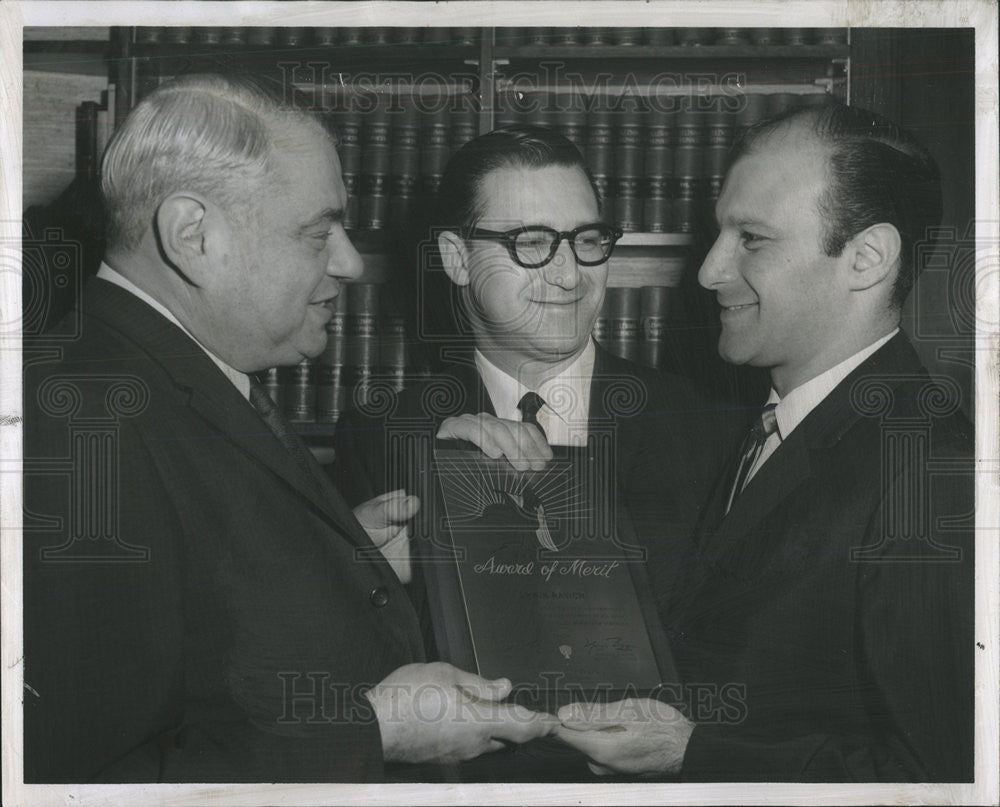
210	134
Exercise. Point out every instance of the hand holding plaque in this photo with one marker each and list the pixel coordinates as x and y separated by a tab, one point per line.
535	581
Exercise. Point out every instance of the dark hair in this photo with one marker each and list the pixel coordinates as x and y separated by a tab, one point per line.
878	173
510	146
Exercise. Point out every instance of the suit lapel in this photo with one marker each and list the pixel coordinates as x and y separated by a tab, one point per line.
213	397
800	455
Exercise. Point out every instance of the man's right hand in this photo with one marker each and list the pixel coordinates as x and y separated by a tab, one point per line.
439	713
521	443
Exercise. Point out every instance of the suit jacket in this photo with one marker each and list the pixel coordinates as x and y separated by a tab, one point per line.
670	444
830	612
198	607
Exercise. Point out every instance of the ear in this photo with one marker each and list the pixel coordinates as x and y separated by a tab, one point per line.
182	232
455	256
876	256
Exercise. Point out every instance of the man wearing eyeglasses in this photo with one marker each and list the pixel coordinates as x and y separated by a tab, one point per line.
521	240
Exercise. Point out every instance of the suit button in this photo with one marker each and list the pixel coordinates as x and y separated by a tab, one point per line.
379	596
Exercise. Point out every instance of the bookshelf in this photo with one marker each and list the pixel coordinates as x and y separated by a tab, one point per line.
654	111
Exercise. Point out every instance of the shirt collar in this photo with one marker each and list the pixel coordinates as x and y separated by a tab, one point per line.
793	408
566	395
240	380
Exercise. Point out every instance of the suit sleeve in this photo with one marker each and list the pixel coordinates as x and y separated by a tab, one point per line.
113	692
914	622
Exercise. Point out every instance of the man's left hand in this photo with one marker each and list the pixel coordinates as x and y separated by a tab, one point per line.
385	520
638	736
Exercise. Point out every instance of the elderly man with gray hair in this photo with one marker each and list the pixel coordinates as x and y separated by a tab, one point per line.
200	604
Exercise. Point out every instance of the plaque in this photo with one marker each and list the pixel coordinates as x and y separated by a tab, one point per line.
537	579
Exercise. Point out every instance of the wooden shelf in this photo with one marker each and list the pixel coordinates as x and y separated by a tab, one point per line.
655	240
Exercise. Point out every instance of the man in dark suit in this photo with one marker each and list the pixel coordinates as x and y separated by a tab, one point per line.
527	255
200	603
832	590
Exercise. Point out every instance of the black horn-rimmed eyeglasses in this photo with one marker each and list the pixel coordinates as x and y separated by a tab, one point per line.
534	246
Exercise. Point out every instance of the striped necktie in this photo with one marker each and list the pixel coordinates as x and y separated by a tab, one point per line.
271	415
753	445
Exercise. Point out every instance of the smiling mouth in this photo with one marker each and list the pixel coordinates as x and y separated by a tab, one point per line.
739	307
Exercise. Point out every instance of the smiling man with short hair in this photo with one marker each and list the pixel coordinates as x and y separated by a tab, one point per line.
832	588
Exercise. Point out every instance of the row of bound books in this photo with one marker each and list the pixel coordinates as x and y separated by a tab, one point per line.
368	352
636	323
515	37
294	36
655	161
366	346
393	151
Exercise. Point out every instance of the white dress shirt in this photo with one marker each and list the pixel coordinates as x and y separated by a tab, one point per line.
240	380
793	408
565	416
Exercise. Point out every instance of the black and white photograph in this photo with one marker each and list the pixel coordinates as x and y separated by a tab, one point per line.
403	406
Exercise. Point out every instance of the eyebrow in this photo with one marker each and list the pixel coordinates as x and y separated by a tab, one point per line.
743	222
328	216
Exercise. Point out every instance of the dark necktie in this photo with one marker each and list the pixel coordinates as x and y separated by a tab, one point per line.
268	410
529	405
753	445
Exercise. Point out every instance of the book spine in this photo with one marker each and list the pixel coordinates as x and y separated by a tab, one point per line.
688	156
600	330
570	119
765	36
300	393
796	36
658	167
600	158
660	36
330	364
654	302
392	349
628	167
539	36
407	35
623	322
362	338
597	36
87	155
567	36
717	142
694	37
350	36
375	166
325	37
433	148
349	151
732	36
627	36
379	35
404	161
464	122
208	35
258	35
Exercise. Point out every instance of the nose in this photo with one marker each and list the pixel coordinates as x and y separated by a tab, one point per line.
716	268
562	270
345	261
